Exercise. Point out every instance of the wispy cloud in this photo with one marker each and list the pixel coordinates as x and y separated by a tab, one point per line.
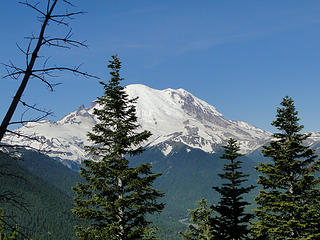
294	20
203	44
141	46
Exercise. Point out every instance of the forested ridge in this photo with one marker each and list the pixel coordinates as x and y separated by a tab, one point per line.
47	214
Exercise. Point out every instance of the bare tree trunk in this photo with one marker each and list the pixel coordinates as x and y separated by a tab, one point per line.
121	213
293	234
28	73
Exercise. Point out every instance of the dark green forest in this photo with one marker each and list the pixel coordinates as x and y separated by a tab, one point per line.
43	186
49	196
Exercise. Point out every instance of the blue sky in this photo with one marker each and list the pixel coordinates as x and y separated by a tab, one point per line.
242	57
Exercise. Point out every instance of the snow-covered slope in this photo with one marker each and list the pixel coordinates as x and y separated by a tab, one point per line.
177	115
171	115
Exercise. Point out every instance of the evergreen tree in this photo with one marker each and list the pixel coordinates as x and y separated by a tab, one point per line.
200	227
116	197
288	205
231	223
3	235
150	233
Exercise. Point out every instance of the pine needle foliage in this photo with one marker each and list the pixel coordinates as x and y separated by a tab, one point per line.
115	198
289	203
3	235
231	222
200	227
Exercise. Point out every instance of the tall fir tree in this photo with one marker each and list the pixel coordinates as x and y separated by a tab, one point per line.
289	203
231	222
115	198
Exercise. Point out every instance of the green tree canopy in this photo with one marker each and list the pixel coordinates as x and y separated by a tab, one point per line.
200	227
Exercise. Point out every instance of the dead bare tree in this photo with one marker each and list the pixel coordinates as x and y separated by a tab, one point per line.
37	67
33	60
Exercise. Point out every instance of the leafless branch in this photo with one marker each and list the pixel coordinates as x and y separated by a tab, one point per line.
34	7
12	71
23	51
17	201
11	142
28	52
67	15
35	108
75	70
60	42
12	225
5	173
14	199
23	136
65	42
15	146
57	18
15	72
68	2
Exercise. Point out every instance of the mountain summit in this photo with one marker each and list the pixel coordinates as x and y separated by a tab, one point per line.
178	116
172	116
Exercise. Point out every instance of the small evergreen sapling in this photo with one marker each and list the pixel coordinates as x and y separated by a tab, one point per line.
3	235
200	227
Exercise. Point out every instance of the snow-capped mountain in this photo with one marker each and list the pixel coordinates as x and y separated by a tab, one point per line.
171	116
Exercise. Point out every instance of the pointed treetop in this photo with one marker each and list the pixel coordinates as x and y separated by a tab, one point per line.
287	117
231	150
